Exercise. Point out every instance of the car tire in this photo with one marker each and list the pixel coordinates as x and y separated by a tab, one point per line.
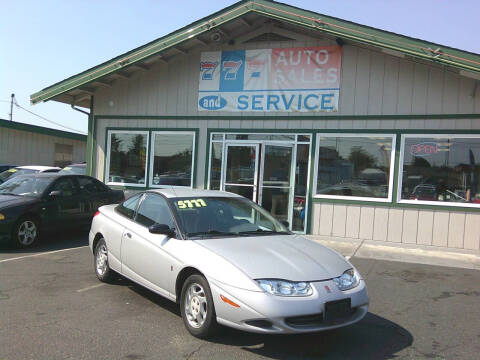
100	262
197	308
26	232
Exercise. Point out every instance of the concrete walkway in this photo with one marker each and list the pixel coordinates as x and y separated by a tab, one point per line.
430	255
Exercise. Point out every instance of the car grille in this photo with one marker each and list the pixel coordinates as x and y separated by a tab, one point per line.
317	320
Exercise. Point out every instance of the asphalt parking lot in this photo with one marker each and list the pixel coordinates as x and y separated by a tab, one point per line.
53	307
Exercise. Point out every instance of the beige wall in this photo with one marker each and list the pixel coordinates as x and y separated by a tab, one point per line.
19	147
372	83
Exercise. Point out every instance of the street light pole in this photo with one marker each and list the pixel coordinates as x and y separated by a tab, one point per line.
11	107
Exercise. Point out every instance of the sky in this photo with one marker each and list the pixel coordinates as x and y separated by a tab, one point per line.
43	42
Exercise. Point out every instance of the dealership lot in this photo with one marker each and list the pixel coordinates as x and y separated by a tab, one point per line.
53	307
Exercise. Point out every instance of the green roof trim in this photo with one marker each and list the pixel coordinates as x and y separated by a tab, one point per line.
308	19
41	130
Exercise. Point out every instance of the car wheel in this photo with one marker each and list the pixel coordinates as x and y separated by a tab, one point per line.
196	306
102	269
26	232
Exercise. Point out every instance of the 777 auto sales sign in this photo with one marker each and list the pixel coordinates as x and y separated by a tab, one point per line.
305	79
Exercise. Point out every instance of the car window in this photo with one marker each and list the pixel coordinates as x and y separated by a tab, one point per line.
77	170
66	186
154	210
90	185
15	172
51	171
128	207
25	186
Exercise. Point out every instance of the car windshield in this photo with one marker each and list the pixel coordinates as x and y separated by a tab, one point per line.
25	186
76	170
224	216
7	174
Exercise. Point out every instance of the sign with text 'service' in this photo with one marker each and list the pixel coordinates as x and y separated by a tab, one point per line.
303	79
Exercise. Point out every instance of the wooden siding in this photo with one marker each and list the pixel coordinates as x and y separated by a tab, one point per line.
408	226
19	147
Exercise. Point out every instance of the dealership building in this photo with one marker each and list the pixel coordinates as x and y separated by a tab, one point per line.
340	129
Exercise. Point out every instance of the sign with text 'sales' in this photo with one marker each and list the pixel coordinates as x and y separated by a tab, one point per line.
303	79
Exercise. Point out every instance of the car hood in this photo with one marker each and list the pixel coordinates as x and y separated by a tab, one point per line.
13	200
288	257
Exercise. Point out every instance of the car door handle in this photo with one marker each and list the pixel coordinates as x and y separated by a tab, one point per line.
129	235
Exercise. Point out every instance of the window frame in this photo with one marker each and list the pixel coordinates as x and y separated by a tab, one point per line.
388	199
399	199
107	165
152	159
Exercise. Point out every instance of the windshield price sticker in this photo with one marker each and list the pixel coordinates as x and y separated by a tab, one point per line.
185	204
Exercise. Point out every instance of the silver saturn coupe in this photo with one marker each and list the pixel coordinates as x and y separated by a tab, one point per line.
225	260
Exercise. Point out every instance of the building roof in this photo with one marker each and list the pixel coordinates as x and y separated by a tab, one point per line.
240	18
41	130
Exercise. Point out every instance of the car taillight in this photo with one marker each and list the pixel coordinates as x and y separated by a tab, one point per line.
96	213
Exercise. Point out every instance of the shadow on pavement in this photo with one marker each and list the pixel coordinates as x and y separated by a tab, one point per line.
372	338
52	241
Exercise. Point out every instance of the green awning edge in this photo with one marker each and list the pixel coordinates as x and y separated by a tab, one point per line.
439	54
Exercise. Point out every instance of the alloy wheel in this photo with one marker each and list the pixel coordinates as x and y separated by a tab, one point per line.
196	305
101	259
27	233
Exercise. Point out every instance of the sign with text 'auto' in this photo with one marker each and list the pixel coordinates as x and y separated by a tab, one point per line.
303	79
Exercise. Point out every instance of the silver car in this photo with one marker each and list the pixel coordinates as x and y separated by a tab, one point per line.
226	261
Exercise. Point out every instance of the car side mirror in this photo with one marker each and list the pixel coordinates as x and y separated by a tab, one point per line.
55	193
285	223
162	229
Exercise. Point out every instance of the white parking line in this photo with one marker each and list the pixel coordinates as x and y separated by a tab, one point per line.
40	254
90	287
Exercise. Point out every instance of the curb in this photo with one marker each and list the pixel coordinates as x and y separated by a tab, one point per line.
429	255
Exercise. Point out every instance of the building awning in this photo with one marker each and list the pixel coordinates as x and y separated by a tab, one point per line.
250	20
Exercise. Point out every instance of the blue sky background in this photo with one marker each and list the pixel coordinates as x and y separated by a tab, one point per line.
43	42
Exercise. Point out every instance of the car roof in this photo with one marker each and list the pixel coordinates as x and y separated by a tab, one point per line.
37	167
186	192
77	165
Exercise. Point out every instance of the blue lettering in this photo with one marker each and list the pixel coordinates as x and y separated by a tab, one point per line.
326	101
299	107
242	102
256	102
305	102
270	99
287	105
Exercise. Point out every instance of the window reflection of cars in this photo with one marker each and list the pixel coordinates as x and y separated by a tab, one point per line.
431	192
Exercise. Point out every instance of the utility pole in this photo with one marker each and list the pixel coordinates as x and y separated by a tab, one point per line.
11	107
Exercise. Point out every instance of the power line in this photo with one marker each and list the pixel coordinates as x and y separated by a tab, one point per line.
48	120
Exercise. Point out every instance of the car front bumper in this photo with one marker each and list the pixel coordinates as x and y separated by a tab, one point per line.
5	232
265	313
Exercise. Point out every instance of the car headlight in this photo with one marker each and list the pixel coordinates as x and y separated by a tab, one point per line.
285	288
348	280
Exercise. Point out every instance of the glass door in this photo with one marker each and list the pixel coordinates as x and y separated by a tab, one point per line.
276	185
240	169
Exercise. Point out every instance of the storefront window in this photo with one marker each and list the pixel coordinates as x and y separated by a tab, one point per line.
126	157
172	160
440	169
355	166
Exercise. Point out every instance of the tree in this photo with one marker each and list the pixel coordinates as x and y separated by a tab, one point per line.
360	159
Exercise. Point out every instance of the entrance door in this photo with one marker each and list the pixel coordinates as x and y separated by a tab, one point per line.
276	185
240	173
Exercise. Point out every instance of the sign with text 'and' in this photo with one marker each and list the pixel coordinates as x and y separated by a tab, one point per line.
285	80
